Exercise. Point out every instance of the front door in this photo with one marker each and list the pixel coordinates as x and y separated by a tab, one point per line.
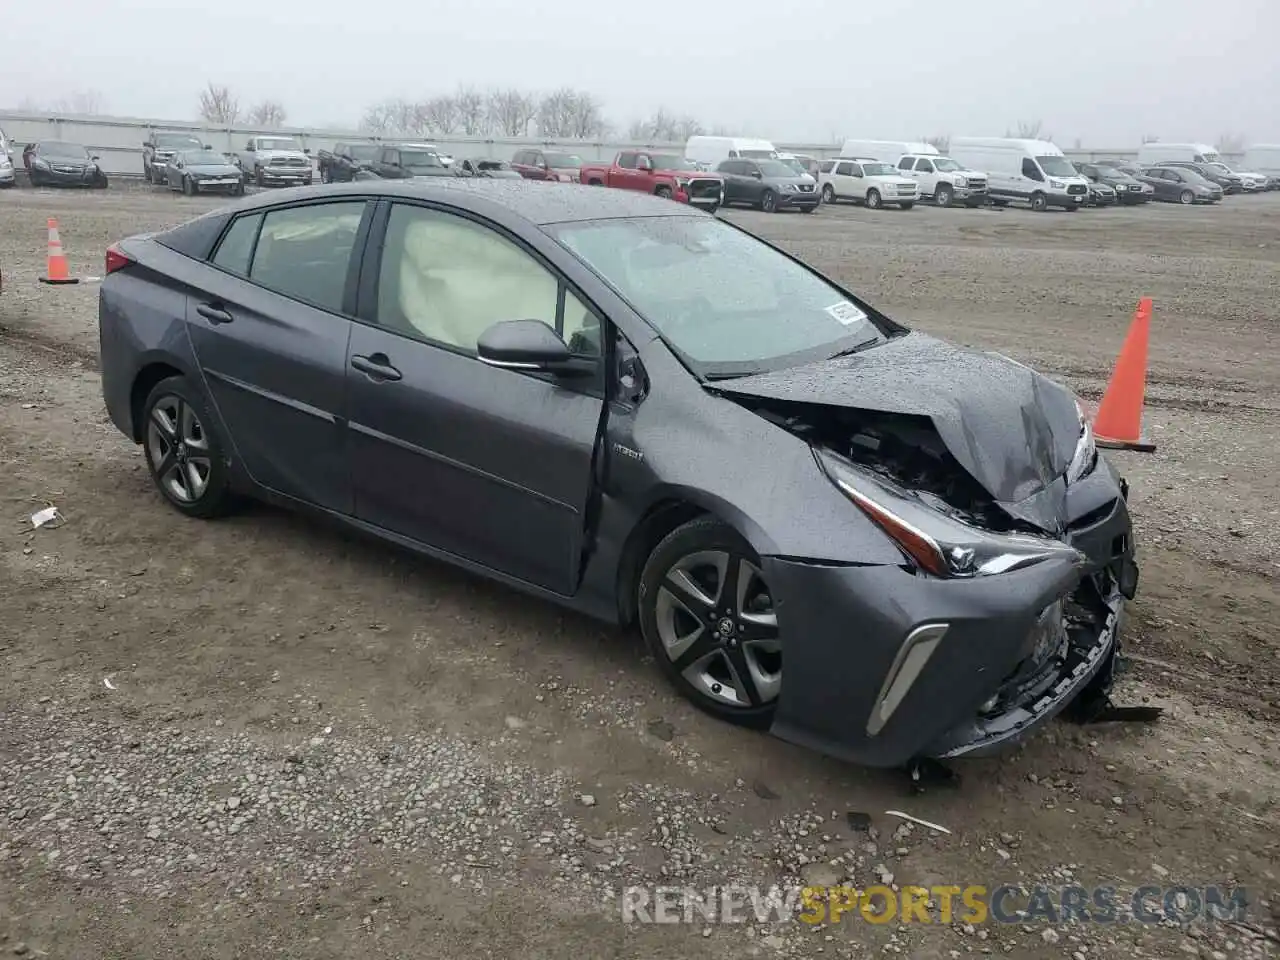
269	328
491	465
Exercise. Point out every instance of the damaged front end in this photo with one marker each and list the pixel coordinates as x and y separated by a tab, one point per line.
1070	523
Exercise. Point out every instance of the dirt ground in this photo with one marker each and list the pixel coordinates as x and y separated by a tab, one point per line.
265	735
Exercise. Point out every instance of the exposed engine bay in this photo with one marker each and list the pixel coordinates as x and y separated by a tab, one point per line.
903	448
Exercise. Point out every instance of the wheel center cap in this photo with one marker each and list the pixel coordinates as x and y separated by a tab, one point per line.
725	628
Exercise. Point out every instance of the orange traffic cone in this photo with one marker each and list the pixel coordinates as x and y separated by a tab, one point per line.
58	271
1118	423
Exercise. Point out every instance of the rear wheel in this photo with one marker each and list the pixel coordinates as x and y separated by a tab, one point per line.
185	456
1039	202
708	617
258	178
906	206
873	200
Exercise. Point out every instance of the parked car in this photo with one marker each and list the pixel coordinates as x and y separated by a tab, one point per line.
62	164
547	165
662	174
944	180
276	159
1250	182
870	182
407	161
159	147
8	175
1034	172
204	171
1229	182
490	169
1180	185
768	185
1100	194
801	163
574	392
1128	188
345	160
1265	159
1158	154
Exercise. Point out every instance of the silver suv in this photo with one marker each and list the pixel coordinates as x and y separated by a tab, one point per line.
7	175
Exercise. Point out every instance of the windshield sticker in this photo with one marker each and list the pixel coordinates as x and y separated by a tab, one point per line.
846	312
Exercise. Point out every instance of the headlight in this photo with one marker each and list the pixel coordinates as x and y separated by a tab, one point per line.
682	183
789	188
937	543
962	181
1085	457
1056	184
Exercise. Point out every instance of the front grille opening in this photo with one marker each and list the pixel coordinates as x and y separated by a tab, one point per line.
1093	517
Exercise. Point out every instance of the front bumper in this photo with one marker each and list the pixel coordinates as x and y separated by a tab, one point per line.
982	688
287	174
8	175
227	184
68	179
970	194
1064	199
799	199
1104	199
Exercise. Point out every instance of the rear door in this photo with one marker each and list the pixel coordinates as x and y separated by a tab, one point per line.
269	328
491	465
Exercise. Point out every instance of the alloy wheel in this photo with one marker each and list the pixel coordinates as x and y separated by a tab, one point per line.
178	448
768	202
873	199
716	621
1187	197
828	194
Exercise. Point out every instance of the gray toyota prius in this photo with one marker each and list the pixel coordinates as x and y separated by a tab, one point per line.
826	525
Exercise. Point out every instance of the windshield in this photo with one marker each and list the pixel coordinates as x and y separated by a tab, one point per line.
419	159
729	303
1056	167
179	141
278	143
563	161
945	164
72	151
196	157
366	153
669	161
758	154
493	165
1105	171
794	165
879	170
775	168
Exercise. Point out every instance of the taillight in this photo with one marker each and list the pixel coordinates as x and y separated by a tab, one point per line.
116	260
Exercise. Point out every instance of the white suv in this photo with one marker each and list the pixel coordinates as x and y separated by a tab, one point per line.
7	176
944	180
867	181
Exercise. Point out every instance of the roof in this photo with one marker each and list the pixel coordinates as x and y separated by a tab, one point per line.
536	201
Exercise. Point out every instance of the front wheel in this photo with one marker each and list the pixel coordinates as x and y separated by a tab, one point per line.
709	619
943	195
769	201
1187	197
185	457
828	194
906	206
873	200
663	192
188	188
258	178
1039	202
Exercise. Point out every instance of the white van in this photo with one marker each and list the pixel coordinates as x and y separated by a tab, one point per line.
1263	158
887	150
711	150
1150	154
1035	172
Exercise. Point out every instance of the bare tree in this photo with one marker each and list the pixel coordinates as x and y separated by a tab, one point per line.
390	116
473	117
1231	142
85	102
665	127
940	142
438	115
1027	130
269	114
571	113
219	105
509	112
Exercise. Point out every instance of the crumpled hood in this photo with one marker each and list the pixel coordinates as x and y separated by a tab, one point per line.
1014	430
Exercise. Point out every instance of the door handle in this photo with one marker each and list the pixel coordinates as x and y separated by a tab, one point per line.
377	367
214	315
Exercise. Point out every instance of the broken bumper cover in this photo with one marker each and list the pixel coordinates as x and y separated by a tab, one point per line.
988	680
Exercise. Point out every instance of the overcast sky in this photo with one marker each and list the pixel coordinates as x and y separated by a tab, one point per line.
1101	71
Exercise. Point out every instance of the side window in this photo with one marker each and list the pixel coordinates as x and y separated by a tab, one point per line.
236	248
305	252
827	166
627	160
1174	175
905	163
855	169
1030	170
925	166
845	169
447	279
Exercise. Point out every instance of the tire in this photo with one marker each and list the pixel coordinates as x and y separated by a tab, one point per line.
873	200
1039	202
769	201
196	481
808	209
238	190
188	188
258	178
943	195
828	193
683	576
662	191
325	175
907	206
595	182
1187	197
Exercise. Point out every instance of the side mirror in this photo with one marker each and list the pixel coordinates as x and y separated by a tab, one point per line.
306	150
94	157
643	163
757	174
527	345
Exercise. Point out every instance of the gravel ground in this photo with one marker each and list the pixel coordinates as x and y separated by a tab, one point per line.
265	735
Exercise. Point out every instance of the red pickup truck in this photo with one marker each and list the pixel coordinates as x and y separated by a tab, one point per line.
662	174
